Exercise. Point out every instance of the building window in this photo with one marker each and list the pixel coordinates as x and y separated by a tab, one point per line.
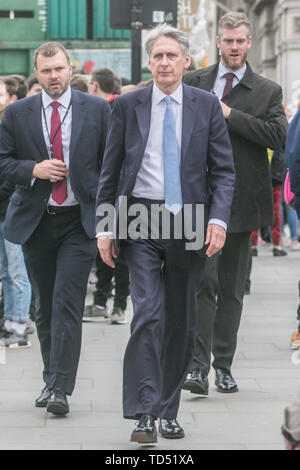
13	14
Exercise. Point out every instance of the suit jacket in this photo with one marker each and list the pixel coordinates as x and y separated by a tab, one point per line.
257	122
207	171
22	145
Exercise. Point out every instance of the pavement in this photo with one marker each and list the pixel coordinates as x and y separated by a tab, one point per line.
265	368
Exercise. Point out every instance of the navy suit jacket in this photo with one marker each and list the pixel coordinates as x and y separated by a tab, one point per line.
292	150
22	145
207	170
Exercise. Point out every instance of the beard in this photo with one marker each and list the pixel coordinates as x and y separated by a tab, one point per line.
233	64
57	92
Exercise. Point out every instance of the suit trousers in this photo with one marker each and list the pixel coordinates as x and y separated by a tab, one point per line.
59	257
104	275
164	280
220	304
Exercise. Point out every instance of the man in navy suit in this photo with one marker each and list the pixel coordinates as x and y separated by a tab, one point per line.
51	147
167	146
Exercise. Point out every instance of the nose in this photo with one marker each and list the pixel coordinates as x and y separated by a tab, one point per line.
164	60
53	74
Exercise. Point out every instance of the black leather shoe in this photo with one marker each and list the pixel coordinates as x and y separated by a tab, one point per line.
58	403
197	382
170	429
42	400
225	382
145	431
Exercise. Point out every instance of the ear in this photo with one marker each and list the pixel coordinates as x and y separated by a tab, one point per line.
187	62
249	42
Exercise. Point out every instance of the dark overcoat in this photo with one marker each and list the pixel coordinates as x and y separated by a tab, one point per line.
257	122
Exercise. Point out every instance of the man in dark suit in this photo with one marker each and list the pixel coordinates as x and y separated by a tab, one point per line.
51	147
252	107
167	148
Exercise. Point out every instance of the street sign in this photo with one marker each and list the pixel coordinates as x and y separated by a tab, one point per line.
153	12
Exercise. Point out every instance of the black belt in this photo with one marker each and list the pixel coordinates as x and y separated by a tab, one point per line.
54	210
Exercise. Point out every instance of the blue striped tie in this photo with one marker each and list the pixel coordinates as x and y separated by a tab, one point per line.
173	196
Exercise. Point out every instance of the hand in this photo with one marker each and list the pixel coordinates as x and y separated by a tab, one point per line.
215	238
226	110
55	170
107	250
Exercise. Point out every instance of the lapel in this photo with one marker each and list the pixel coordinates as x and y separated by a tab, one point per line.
246	82
35	125
207	77
189	113
79	113
143	114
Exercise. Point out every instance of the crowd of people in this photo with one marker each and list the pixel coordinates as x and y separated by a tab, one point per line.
187	137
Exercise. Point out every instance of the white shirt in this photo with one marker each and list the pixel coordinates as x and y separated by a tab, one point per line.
221	80
66	127
150	178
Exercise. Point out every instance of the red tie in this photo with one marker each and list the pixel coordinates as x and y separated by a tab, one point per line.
228	86
59	189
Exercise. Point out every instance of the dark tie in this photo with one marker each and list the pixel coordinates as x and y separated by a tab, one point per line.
59	189
228	86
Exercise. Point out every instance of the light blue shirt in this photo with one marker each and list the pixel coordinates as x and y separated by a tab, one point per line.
221	80
66	128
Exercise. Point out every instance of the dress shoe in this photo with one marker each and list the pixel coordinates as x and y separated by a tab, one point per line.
42	400
58	403
170	429
145	431
197	382
225	382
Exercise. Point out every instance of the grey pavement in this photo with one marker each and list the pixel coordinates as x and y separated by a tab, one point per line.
264	369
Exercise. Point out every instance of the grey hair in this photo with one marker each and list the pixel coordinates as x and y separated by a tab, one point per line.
171	32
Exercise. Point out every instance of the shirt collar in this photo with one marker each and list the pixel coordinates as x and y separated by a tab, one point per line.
159	95
64	99
239	74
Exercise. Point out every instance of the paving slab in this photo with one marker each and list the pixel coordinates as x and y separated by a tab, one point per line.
266	373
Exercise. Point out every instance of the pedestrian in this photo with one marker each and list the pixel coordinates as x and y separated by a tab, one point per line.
293	160
16	288
291	425
102	84
33	86
79	82
167	144
278	173
252	107
51	148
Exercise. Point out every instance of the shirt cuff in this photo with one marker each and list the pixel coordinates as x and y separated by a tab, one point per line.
105	234
218	222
